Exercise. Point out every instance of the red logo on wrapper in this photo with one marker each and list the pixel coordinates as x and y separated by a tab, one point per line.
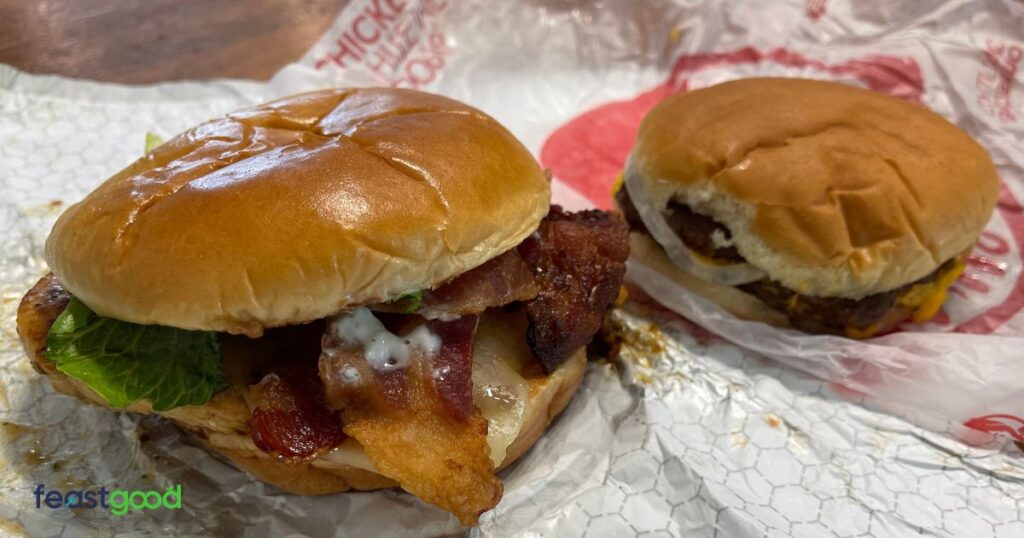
589	152
995	84
1008	424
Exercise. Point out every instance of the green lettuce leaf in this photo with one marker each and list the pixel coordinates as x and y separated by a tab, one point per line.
152	141
125	362
409	301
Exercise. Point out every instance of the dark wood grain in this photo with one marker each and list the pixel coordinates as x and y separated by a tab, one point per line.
141	41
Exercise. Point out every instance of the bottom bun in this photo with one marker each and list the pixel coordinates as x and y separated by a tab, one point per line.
222	423
738	303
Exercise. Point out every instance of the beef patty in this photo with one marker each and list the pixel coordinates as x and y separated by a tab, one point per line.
695	230
867	316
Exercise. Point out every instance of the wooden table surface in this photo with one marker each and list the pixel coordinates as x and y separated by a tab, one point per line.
142	41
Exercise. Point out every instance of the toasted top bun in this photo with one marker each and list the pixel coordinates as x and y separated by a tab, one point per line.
832	190
299	208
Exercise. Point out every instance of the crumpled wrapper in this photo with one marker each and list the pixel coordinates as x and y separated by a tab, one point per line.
740	430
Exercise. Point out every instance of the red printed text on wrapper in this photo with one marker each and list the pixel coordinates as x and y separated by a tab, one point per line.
996	80
392	40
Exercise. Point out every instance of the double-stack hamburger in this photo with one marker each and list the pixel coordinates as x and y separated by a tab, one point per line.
817	205
350	289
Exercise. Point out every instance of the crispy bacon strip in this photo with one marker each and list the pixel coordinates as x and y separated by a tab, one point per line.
580	260
418	424
452	366
568	273
290	420
497	282
500	281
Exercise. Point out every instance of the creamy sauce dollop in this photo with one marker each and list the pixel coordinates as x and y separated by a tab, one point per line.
383	349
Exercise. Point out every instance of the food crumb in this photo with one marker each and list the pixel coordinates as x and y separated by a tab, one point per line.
12	526
35	455
12	431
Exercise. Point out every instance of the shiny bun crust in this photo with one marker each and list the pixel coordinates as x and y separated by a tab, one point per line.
297	209
833	190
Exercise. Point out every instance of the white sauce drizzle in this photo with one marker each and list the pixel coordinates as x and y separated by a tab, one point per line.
383	350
